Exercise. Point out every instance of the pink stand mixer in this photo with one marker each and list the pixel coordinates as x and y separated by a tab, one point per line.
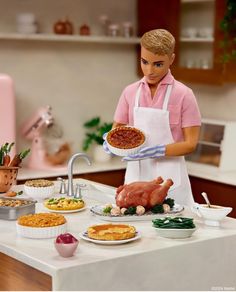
34	129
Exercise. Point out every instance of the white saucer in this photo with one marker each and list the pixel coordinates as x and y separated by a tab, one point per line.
84	235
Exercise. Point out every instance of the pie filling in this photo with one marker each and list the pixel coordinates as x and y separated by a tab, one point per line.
125	137
111	232
42	220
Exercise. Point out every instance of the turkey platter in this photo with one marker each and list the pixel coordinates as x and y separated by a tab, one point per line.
139	201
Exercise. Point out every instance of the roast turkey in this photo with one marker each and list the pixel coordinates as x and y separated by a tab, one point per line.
146	194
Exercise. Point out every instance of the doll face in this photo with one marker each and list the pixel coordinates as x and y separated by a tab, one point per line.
155	67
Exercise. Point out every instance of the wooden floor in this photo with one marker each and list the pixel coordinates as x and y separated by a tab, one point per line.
16	276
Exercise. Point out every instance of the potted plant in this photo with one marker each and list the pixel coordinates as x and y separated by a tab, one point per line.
94	136
228	27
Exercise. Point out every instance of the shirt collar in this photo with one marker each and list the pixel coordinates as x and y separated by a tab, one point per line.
167	79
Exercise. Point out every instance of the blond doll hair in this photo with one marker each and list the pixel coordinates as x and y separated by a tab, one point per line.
158	41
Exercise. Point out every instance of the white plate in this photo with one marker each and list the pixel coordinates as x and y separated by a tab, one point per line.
148	216
65	211
84	235
175	233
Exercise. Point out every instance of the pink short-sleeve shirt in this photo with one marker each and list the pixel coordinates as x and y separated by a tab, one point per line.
183	107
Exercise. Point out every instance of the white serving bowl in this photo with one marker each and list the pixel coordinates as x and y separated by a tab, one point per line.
40	232
175	233
211	216
39	193
125	152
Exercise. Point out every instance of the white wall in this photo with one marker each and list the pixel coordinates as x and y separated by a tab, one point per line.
78	80
81	80
216	102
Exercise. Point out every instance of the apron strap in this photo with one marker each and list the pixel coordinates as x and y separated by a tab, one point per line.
167	96
137	96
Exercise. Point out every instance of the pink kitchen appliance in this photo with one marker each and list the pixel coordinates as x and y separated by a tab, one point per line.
7	111
40	128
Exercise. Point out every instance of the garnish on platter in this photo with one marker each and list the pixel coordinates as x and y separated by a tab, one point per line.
64	204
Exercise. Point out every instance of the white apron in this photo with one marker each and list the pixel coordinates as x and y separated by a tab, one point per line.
155	124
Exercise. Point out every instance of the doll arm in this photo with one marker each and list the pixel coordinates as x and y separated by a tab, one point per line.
191	137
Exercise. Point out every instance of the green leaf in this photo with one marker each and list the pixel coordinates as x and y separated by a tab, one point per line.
92	123
24	153
96	131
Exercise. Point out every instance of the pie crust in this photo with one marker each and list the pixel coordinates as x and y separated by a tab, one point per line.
64	204
125	137
111	232
42	220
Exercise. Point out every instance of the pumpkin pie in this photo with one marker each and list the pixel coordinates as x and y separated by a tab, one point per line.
111	232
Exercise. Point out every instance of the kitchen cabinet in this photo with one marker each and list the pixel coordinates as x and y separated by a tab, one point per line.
14	275
195	25
216	145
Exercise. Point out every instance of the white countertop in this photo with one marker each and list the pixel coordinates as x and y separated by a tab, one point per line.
201	262
194	169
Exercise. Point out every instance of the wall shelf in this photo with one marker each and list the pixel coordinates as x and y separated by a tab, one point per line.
69	38
196	40
196	1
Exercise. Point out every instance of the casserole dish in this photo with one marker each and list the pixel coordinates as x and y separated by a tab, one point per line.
11	209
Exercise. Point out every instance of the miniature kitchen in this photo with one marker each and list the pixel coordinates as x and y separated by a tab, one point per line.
67	214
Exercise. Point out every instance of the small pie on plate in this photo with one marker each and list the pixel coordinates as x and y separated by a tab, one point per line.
111	232
64	204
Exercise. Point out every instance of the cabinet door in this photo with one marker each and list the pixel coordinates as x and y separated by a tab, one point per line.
167	14
199	51
153	14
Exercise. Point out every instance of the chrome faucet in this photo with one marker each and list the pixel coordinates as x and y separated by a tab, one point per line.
70	191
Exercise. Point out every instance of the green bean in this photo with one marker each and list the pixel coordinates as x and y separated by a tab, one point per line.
174	223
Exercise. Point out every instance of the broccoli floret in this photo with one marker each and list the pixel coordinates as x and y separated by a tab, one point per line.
157	209
107	210
130	211
169	202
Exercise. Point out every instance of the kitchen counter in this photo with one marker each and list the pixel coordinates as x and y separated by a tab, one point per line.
80	167
205	261
194	169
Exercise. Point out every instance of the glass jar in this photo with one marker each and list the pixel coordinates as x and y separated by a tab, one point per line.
113	30
127	29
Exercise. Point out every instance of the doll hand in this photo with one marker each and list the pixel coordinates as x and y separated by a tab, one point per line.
147	152
104	145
